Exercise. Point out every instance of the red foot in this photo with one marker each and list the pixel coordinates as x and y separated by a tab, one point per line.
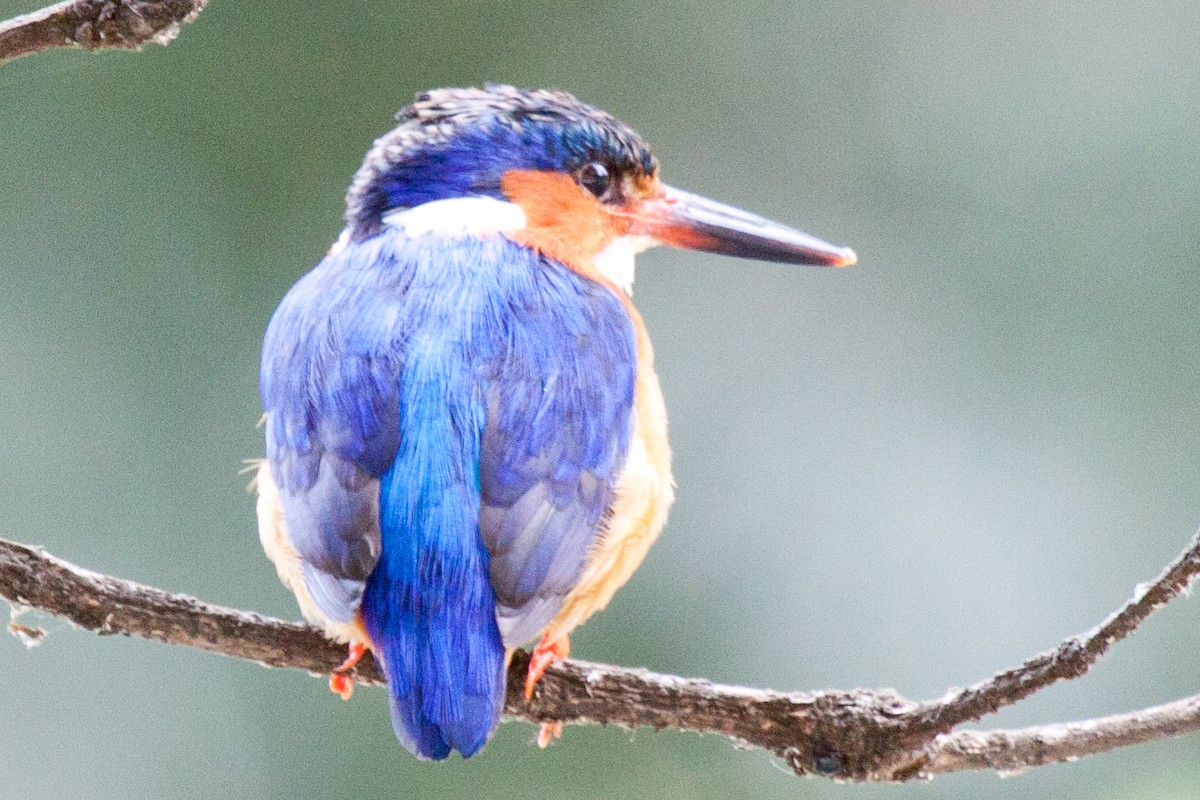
340	683
546	653
548	733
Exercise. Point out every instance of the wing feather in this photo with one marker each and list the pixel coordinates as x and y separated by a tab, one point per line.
329	384
559	419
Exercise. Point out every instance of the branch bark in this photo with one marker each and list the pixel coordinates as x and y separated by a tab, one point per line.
860	735
97	24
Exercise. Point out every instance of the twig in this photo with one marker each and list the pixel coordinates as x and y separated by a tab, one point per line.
97	24
1070	659
1016	750
860	735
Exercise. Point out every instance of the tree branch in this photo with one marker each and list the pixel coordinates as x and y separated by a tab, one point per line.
1016	750
860	735
1073	657
97	24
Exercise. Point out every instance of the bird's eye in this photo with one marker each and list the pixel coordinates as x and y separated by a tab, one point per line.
595	178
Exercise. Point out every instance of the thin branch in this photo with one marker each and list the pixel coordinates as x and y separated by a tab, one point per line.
97	24
1016	750
1073	657
858	735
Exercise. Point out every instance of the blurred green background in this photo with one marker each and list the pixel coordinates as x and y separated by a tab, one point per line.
908	474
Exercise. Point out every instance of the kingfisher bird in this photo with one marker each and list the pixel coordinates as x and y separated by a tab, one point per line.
466	443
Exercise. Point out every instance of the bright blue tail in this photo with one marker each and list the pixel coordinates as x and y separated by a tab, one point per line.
428	606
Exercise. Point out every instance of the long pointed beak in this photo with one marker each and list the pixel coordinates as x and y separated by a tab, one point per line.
683	219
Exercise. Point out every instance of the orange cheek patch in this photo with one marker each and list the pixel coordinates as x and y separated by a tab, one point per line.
563	222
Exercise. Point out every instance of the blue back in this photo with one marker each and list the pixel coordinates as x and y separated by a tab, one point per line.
447	420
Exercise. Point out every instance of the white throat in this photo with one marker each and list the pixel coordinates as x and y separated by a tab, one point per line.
615	261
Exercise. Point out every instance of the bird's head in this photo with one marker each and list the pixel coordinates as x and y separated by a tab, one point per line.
554	174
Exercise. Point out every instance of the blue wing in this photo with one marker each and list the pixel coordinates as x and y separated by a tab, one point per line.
329	387
559	421
446	420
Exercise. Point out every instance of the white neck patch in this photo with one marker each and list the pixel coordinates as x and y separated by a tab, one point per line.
458	216
480	216
615	261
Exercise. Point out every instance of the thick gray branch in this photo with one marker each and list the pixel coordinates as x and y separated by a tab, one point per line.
852	735
96	24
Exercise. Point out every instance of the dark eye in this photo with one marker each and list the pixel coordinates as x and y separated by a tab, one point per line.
595	178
